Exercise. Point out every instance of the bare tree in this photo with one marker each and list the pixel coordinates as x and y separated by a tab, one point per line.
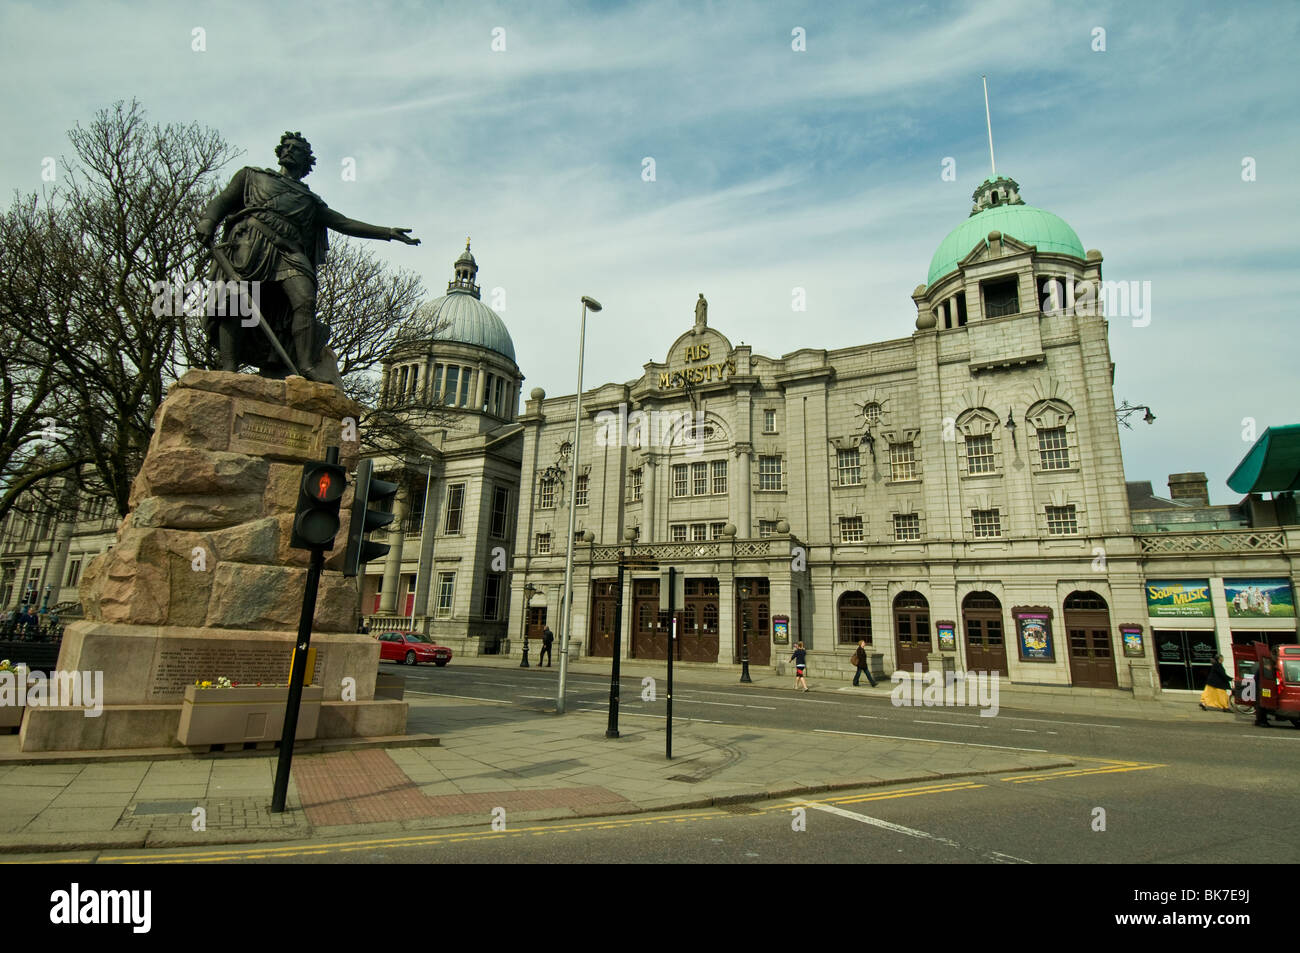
121	224
36	441
87	339
372	312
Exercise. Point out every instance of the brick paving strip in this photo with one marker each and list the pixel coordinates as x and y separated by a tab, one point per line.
366	787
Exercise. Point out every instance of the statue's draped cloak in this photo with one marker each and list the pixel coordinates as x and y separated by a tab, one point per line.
274	229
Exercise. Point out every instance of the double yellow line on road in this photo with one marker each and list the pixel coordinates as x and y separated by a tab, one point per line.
265	852
1106	766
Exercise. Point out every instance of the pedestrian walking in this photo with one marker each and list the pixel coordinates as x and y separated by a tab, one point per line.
800	659
547	638
1267	675
860	660
1215	695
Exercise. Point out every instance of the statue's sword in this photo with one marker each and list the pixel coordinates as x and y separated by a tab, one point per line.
224	263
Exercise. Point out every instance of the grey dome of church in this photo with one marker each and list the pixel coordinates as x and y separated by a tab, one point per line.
467	319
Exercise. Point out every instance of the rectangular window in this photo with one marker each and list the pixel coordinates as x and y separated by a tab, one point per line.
464	387
446	589
500	512
979	454
699	479
851	529
453	381
769	421
1053	448
986	524
769	473
437	382
679	532
1062	521
1001	298
546	494
680	477
766	528
74	572
455	507
581	491
543	544
637	485
492	597
499	402
907	526
902	461
719	476
850	465
699	532
715	530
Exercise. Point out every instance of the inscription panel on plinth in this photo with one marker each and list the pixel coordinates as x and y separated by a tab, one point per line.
265	430
180	663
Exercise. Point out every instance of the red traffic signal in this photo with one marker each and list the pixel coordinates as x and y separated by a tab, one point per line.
316	521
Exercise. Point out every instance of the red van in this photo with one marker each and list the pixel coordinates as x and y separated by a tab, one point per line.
1276	679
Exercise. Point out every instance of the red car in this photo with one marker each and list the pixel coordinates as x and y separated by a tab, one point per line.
411	648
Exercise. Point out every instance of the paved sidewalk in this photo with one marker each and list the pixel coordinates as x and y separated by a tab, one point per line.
493	756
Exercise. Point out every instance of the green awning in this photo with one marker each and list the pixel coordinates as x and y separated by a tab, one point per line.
1272	465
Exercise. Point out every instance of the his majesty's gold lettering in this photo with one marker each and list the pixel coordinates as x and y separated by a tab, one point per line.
700	374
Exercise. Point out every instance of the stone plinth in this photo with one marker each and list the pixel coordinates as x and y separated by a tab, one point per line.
201	582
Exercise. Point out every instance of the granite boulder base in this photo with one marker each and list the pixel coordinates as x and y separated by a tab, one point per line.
201	581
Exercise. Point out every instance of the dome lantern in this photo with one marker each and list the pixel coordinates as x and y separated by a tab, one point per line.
466	269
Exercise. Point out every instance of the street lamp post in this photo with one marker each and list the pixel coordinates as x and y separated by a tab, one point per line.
611	731
421	606
744	636
529	589
566	611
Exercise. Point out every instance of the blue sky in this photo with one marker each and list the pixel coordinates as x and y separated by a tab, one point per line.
775	169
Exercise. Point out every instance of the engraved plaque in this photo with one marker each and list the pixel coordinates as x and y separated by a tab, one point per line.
179	663
265	430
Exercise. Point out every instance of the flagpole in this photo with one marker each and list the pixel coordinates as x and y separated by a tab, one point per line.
989	122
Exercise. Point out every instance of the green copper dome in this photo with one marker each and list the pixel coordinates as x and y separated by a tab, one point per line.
460	316
1033	226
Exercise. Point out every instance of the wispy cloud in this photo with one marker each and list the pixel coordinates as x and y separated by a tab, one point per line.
775	169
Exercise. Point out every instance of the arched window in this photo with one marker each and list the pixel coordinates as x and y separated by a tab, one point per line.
1086	601
854	618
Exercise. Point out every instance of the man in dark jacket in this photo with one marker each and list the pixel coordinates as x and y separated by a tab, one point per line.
547	638
860	660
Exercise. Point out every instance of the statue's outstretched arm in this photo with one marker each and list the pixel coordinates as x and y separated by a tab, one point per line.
350	226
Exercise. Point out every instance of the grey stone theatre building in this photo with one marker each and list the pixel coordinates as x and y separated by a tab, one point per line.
955	496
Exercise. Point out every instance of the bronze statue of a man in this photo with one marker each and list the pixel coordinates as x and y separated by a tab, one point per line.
275	235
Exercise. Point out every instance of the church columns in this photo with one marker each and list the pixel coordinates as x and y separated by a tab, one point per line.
648	495
480	377
393	561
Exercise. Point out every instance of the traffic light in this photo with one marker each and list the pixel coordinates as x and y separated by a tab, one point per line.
316	521
368	490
